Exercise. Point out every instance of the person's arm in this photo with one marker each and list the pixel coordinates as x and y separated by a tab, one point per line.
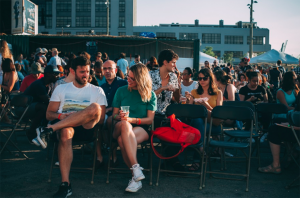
52	114
280	96
280	76
12	80
51	61
231	92
265	98
63	63
162	88
103	110
143	121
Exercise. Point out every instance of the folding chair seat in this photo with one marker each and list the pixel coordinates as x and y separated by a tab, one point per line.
294	120
242	134
181	112
232	113
76	142
16	101
145	144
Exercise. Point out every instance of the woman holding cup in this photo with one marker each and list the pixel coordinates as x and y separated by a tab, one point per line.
134	109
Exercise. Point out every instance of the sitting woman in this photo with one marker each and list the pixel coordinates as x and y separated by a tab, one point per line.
132	127
277	134
223	83
253	92
187	83
242	81
265	84
10	76
287	93
208	95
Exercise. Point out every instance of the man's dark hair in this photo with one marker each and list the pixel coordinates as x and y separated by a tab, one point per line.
167	55
244	59
136	56
98	64
122	55
80	61
279	62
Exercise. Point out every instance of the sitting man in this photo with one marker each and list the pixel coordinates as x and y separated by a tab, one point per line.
35	74
109	87
74	109
39	90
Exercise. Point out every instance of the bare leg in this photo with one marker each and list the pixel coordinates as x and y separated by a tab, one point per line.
65	153
87	118
275	149
98	149
123	151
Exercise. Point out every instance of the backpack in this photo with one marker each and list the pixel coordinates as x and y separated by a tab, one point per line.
178	133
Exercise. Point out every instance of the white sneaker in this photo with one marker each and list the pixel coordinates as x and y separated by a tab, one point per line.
262	139
137	172
36	142
133	186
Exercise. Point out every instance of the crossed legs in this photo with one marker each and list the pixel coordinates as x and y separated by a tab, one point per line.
128	139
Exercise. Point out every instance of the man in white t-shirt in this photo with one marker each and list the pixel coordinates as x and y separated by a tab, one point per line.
122	63
74	109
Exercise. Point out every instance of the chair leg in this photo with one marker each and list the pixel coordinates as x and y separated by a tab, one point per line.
201	176
248	170
204	175
291	184
159	164
94	161
151	158
52	161
258	151
108	164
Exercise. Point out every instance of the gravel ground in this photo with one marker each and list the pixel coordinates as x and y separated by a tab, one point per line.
29	178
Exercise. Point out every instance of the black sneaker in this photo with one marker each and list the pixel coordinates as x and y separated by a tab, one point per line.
42	132
64	190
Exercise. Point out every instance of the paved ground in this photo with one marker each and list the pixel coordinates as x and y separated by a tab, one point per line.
28	178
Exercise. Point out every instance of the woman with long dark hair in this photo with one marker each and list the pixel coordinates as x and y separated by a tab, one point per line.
208	95
132	127
223	83
152	63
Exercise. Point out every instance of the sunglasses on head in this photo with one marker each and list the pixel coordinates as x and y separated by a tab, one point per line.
203	78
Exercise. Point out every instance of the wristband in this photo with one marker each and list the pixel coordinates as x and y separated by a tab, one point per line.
115	116
59	116
139	123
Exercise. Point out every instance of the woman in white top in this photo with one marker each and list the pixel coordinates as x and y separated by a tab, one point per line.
187	83
4	53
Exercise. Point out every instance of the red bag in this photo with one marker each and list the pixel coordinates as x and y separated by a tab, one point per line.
178	133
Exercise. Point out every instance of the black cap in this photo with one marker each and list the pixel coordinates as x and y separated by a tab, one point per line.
52	69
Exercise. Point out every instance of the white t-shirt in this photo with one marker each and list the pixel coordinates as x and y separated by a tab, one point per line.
72	98
194	85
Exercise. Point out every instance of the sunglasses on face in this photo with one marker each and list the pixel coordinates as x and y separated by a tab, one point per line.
132	79
203	78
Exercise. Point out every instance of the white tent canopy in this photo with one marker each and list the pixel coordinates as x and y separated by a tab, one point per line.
273	56
204	57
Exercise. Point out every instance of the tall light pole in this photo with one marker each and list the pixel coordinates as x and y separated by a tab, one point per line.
107	17
251	28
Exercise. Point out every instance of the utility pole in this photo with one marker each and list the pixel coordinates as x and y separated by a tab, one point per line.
251	29
107	17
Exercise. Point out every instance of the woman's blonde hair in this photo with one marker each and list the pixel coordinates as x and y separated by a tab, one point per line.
143	81
4	50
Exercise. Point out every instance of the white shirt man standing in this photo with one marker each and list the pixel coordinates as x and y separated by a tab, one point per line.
56	60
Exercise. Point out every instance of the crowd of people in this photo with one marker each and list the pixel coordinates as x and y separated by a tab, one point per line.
73	95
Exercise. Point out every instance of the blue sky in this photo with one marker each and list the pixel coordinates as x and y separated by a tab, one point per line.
281	17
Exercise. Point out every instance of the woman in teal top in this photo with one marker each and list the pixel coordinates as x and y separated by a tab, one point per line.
133	128
288	92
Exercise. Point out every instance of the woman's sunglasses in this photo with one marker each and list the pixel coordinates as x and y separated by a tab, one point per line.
203	78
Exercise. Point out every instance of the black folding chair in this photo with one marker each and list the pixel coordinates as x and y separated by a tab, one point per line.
146	144
18	101
242	134
294	120
182	112
232	113
77	169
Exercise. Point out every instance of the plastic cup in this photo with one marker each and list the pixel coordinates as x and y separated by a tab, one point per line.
125	110
183	100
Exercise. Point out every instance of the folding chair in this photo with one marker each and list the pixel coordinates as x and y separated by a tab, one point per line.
145	144
94	140
22	101
294	120
242	134
185	111
232	113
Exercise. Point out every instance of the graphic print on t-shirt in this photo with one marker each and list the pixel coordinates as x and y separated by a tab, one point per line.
78	104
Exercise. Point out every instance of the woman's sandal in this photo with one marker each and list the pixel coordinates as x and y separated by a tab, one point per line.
195	166
270	169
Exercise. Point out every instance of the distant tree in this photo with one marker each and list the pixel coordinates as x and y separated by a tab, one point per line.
208	51
228	57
